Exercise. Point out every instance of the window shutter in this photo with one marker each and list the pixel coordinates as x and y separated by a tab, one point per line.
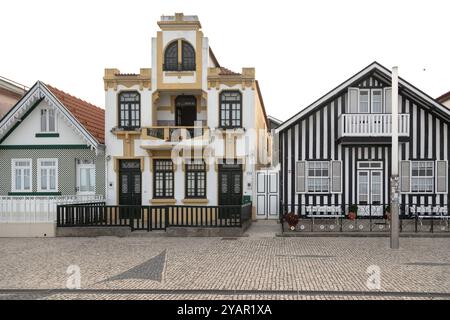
301	176
441	176
405	176
336	176
388	100
352	100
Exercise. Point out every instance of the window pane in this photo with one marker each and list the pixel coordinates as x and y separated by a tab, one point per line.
44	179
18	173
43	120
51	121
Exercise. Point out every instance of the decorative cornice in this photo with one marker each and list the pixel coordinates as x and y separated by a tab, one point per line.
246	79
113	78
179	22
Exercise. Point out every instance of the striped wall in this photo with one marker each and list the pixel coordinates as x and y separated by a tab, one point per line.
314	137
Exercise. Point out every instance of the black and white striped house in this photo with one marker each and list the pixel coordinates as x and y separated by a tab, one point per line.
337	151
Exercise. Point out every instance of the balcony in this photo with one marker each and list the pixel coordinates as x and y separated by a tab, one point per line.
158	137
355	125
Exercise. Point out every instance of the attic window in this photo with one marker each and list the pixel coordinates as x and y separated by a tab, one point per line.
48	120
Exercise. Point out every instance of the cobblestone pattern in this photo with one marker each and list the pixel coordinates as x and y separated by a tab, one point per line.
331	264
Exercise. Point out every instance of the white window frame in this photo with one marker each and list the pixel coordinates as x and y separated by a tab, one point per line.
433	176
47	121
308	164
39	167
372	100
368	101
13	175
380	163
79	167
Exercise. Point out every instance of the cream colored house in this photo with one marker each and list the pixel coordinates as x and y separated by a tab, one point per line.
186	131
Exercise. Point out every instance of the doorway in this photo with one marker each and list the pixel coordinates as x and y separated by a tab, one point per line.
130	188
185	111
370	188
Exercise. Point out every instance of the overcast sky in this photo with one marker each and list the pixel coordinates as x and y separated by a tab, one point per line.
300	50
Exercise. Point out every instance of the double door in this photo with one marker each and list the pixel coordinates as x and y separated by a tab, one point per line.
370	192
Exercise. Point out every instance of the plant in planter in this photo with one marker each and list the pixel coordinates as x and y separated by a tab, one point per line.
292	220
387	212
352	212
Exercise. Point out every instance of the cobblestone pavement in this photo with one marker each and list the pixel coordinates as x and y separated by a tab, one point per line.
221	265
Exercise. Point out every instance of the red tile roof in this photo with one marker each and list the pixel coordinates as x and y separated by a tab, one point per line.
227	72
444	97
90	116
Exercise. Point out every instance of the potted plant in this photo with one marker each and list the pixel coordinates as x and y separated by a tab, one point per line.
352	212
387	212
292	220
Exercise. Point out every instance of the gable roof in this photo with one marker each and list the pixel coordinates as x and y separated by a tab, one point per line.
84	118
382	72
90	116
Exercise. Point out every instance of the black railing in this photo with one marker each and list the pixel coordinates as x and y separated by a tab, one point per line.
152	217
367	218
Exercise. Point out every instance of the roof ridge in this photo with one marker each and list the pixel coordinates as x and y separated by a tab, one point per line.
74	97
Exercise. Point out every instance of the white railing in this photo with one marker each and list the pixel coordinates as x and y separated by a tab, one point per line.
38	209
374	125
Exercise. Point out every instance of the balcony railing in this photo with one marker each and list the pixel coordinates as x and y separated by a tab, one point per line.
174	134
371	125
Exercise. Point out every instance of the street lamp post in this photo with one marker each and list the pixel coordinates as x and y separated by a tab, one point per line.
394	164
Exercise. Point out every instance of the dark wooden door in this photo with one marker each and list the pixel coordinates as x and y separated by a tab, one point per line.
230	184
130	187
186	111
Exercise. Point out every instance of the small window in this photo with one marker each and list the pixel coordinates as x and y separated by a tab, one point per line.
129	110
422	176
172	62
21	175
318	176
377	105
163	179
48	175
230	109
196	179
48	120
363	101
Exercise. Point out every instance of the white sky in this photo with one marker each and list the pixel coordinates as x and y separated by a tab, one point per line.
300	50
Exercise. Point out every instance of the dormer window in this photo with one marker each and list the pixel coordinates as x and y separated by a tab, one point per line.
48	120
174	62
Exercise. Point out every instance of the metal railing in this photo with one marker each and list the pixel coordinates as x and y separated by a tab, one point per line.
371	124
414	218
152	217
37	209
175	134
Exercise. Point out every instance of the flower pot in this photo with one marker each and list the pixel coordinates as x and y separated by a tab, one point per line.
352	215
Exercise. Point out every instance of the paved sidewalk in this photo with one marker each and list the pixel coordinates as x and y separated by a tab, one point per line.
263	229
259	266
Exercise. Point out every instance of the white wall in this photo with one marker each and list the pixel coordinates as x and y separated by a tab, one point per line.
25	133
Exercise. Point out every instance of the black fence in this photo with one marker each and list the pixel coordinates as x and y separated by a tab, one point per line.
363	218
152	217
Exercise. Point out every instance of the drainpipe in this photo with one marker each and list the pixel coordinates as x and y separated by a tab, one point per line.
394	165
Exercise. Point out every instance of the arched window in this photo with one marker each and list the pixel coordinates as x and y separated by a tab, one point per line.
171	57
129	110
187	57
230	109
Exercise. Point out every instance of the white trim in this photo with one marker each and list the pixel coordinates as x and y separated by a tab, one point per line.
39	167
13	175
307	164
371	67
39	90
368	101
381	100
78	178
433	176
